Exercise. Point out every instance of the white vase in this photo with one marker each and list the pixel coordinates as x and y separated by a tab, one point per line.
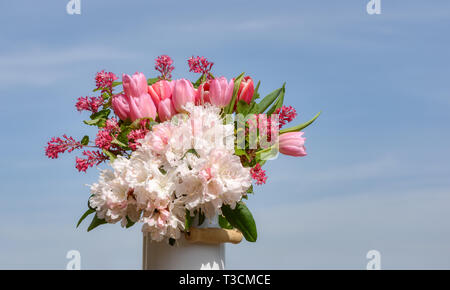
184	255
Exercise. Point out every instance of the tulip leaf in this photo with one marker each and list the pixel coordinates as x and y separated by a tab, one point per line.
279	102
111	155
201	217
88	212
270	98
95	223
255	93
151	81
242	107
241	218
301	126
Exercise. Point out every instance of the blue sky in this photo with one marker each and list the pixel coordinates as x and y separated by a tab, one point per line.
377	173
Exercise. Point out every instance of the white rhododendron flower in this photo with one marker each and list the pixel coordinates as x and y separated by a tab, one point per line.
185	163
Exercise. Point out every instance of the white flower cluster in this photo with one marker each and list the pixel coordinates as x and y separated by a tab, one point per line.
186	163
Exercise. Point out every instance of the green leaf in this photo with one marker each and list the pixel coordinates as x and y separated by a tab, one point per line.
95	223
237	83
255	93
250	189
111	155
187	221
200	80
115	84
191	151
223	223
101	114
117	142
85	140
269	99
279	102
242	107
241	218
130	223
151	81
86	213
301	126
201	217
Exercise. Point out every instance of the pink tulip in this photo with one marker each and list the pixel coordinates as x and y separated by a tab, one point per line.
246	90
139	101
166	109
183	93
202	94
160	90
120	106
221	91
292	144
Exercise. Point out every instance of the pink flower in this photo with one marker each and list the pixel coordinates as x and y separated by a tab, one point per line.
105	80
246	90
286	115
183	93
93	158
139	101
136	135
221	91
57	145
202	94
166	110
200	65
163	64
160	90
159	137
258	174
89	104
120	106
103	139
292	144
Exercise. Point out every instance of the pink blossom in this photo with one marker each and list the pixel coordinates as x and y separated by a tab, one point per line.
120	106
93	158
200	65
103	139
258	174
286	115
246	90
292	144
183	93
166	110
139	101
202	94
104	80
57	145
160	90
221	91
163	64
112	125
89	104
134	136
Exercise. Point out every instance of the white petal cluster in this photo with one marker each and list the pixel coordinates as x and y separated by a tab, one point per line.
185	163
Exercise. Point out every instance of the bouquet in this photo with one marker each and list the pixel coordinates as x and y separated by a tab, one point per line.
180	152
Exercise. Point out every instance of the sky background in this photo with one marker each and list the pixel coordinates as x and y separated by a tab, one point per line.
377	171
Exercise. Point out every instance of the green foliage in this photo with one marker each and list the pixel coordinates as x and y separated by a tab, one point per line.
187	221
301	126
223	223
241	218
237	83
96	221
85	140
85	215
270	98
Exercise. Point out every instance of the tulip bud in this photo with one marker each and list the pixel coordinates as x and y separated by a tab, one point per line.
166	109
246	90
120	106
160	90
292	144
202	94
139	101
221	91
183	93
